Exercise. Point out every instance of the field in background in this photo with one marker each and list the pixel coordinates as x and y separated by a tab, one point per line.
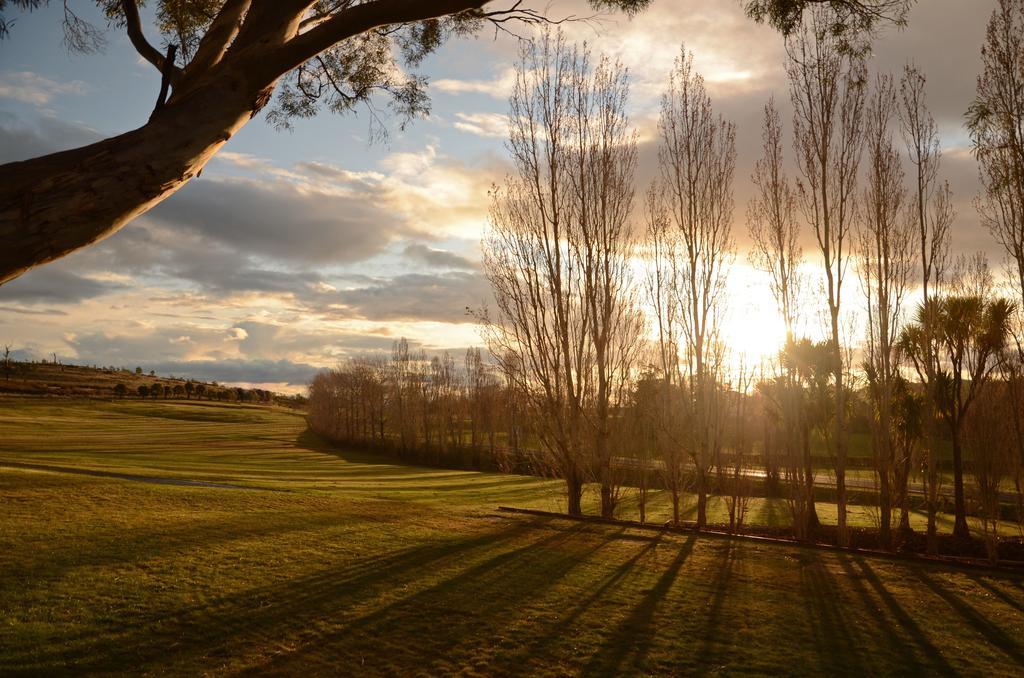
82	381
325	559
271	448
50	378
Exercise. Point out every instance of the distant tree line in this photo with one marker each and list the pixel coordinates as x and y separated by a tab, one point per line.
427	409
199	391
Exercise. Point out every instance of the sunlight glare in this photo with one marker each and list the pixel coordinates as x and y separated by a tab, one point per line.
752	326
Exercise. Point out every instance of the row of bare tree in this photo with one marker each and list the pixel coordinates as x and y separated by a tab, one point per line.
473	415
608	336
425	408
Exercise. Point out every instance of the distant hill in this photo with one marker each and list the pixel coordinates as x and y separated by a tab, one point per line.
56	379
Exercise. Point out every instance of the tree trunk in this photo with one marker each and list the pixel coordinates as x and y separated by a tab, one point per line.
702	499
605	460
675	506
932	538
840	425
607	501
960	529
904	491
55	204
643	497
885	507
810	513
931	479
574	494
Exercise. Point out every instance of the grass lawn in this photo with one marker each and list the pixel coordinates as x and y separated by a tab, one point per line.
334	562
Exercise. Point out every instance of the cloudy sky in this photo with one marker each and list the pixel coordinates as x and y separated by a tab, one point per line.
296	249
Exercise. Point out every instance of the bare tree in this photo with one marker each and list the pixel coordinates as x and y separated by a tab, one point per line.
827	83
885	242
996	121
738	482
931	210
557	255
540	333
697	157
645	431
772	222
601	161
477	385
775	232
661	285
404	386
931	204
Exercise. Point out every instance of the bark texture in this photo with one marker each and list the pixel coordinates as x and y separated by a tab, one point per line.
55	204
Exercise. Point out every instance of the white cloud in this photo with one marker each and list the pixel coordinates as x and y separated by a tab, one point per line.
483	124
32	88
322	287
499	87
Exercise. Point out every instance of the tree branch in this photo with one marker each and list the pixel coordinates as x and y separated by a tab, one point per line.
218	36
165	80
359	19
270	23
134	27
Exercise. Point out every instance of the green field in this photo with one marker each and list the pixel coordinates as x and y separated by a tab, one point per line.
323	561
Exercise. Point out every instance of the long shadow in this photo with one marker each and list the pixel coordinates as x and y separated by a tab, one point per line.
997	592
634	633
901	650
977	621
212	627
474	603
543	642
906	623
712	635
609	584
830	630
136	545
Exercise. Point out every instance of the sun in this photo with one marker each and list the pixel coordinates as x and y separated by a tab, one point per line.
751	324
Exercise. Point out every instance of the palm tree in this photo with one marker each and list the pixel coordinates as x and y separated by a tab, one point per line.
969	333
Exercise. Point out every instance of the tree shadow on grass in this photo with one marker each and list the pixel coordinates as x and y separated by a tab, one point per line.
634	634
992	633
224	626
136	545
920	658
712	635
473	602
469	613
998	592
542	644
830	630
